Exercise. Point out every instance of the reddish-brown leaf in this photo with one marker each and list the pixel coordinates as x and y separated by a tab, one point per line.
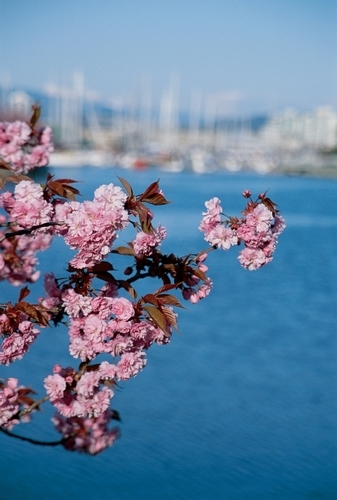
170	317
270	205
126	285
33	312
26	400
57	188
158	318
24	292
156	199
62	187
171	268
127	186
123	251
147	225
102	266
169	300
17	178
70	193
65	181
165	288
151	299
150	191
4	165
23	391
35	115
106	276
110	383
144	217
200	274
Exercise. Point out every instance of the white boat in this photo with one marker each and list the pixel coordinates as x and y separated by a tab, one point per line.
81	157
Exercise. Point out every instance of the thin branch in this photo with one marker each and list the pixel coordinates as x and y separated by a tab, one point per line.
137	277
33	441
32	407
19	232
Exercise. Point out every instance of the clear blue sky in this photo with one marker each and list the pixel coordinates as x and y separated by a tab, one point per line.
261	54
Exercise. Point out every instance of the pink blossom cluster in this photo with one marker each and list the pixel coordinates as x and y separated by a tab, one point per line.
18	258
216	233
108	334
22	148
11	402
17	337
27	206
145	243
87	435
77	398
101	324
90	227
258	231
24	208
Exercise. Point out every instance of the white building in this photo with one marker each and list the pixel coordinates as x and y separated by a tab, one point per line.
316	129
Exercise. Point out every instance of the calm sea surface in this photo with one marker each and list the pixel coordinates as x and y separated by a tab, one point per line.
242	404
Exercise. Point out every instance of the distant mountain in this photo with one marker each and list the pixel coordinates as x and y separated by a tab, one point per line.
105	114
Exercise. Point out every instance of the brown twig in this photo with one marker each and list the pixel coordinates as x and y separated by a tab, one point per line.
31	440
19	232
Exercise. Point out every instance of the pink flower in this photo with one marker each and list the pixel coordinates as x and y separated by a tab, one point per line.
9	405
130	364
92	226
94	328
87	384
50	285
107	371
16	345
22	149
145	243
102	306
55	386
122	308
82	348
222	237
29	207
112	195
201	293
200	261
86	435
253	258
260	218
212	217
251	237
94	405
75	303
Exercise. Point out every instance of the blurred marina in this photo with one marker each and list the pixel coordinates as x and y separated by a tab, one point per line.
135	133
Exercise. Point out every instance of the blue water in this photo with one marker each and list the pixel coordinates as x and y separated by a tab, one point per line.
242	403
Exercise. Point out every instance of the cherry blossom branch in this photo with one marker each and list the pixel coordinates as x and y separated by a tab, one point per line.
101	322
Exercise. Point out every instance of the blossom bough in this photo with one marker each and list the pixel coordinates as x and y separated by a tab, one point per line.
110	328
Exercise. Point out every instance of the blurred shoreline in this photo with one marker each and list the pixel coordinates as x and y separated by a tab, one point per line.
203	162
